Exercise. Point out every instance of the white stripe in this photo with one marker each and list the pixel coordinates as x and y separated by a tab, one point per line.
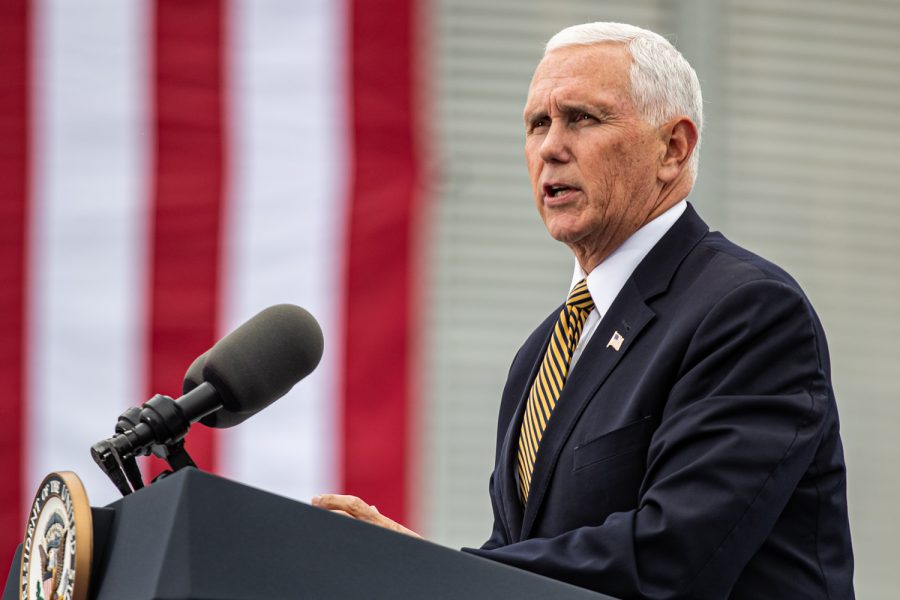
286	217
87	258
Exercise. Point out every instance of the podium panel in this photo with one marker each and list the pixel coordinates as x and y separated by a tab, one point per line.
195	535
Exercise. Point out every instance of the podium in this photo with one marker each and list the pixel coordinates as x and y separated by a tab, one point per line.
194	535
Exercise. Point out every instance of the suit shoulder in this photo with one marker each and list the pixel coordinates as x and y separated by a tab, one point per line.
721	277
732	265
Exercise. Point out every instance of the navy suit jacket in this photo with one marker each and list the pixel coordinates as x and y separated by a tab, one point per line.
702	458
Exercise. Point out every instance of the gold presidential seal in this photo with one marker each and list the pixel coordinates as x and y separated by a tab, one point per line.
56	553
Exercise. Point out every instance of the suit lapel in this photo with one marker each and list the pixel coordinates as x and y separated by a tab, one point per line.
509	454
512	506
628	316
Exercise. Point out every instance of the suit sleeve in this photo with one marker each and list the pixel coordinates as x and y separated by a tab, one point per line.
739	429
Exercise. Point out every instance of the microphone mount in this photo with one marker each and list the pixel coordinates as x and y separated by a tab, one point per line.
158	428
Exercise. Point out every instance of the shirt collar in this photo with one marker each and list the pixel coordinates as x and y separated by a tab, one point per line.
607	279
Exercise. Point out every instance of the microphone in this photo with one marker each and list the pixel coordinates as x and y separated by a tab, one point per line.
241	374
221	418
288	344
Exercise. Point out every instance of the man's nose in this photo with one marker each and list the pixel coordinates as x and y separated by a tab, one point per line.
555	145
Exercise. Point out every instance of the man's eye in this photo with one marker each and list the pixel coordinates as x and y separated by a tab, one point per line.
583	117
539	124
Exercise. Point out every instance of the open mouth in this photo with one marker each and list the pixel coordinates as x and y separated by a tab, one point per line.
554	191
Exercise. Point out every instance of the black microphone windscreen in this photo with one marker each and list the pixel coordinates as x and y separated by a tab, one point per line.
220	419
194	375
260	361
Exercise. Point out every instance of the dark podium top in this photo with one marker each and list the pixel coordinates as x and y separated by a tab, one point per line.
196	535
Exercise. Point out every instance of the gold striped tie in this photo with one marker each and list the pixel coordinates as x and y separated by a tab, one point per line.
551	378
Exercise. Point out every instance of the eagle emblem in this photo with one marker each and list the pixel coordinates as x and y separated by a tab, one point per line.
57	550
52	547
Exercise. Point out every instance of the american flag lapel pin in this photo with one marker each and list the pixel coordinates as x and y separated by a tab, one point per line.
615	341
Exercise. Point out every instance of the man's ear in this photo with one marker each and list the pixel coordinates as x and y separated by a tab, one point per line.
680	137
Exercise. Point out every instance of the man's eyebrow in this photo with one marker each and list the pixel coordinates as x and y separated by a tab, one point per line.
599	108
534	115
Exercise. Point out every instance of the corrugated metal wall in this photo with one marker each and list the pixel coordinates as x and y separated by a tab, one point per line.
801	164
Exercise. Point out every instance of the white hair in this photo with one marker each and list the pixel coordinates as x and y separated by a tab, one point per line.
663	83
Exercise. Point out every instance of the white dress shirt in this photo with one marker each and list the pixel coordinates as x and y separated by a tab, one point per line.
606	280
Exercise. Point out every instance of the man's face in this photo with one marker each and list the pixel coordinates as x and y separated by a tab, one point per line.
592	160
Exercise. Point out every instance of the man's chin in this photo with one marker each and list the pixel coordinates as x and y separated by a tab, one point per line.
567	233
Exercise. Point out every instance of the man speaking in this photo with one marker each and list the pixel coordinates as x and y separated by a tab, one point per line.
670	431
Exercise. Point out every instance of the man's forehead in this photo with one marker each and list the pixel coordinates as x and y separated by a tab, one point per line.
592	68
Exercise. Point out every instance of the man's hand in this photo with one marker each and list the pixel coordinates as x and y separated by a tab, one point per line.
351	506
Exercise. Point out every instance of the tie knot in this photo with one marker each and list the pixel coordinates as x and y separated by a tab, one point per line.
580	297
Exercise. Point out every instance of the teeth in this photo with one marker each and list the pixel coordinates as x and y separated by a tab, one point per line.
557	190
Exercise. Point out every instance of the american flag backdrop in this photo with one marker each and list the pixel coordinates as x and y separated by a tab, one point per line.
167	170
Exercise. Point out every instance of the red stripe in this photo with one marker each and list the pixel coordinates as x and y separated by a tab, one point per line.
187	197
378	302
15	24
